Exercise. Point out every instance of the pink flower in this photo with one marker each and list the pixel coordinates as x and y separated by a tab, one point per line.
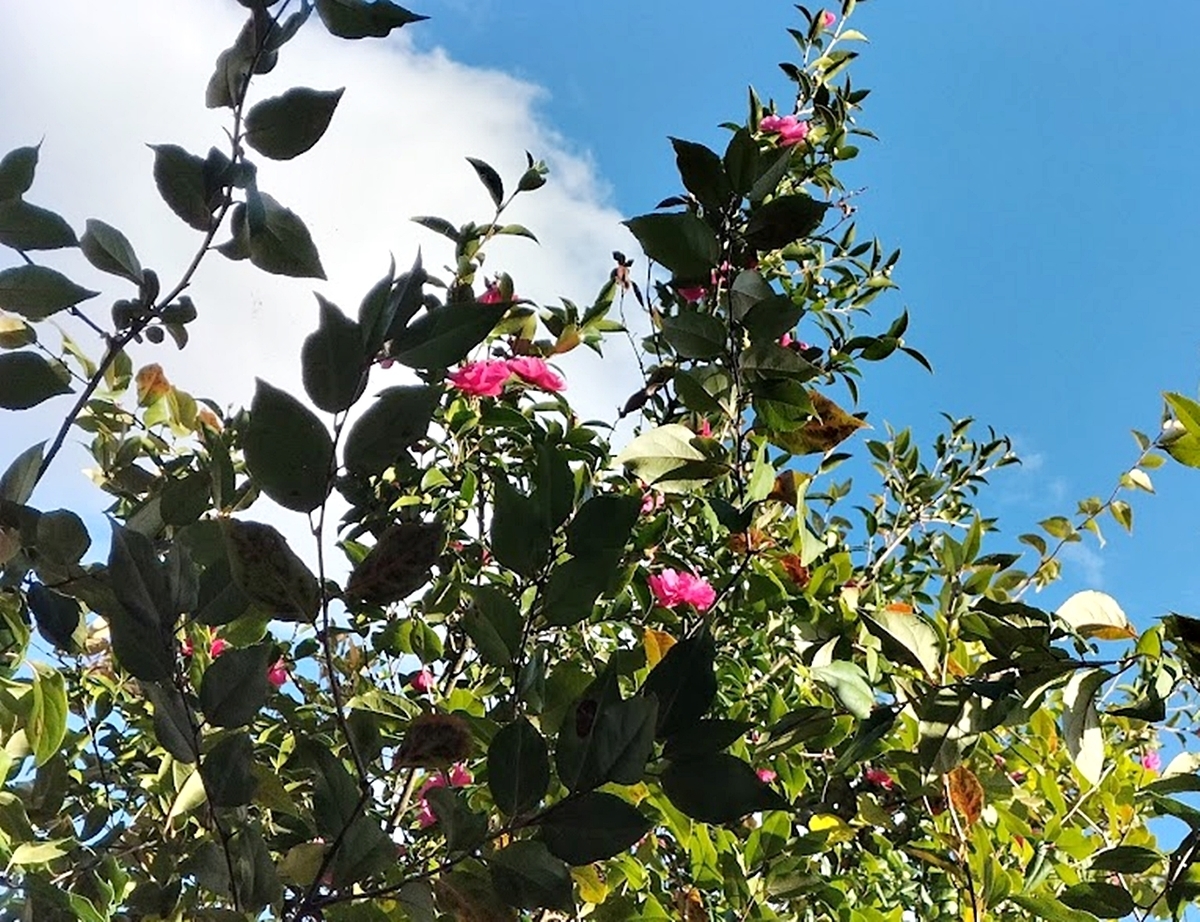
459	777
765	775
786	340
535	371
652	501
425	817
693	293
185	647
491	295
277	675
671	589
217	647
789	128
879	778
482	379
704	430
1151	760
422	681
828	18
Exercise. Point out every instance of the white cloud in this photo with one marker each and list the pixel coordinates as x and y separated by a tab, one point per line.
99	81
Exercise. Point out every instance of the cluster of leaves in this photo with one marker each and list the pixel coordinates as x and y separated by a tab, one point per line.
499	711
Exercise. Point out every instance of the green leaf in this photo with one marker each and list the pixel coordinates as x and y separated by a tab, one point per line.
849	685
1050	909
28	227
27	379
695	335
527	876
1081	722
490	179
185	185
332	361
464	830
228	770
399	564
58	616
110	251
62	538
718	788
46	725
284	127
494	624
685	684
36	292
703	174
593	827
602	525
519	540
235	686
18	481
397	420
443	337
742	161
605	740
913	635
288	450
768	320
681	242
29	853
142	623
362	19
16	172
783	220
518	767
656	454
267	570
573	588
173	721
703	737
1125	859
1102	899
281	244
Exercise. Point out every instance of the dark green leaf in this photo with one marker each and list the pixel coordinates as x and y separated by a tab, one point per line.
185	499
398	419
527	876
442	337
694	335
220	599
235	686
593	827
281	244
574	586
784	220
768	320
269	572
703	174
228	771
604	740
288	450
332	361
173	721
1125	859
741	161
16	172
254	877
602	525
184	184
1105	900
57	616
399	564
685	684
28	227
362	19
718	788
494	624
36	292
703	737
519	540
490	179
464	830
284	127
142	623
110	251
62	538
680	242
21	476
518	767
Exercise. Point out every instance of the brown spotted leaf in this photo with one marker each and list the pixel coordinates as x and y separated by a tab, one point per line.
398	565
966	793
828	428
269	572
434	741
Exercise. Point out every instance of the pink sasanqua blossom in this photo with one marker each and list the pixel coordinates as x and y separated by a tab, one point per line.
765	775
457	777
790	129
423	681
672	589
482	379
534	371
277	674
828	18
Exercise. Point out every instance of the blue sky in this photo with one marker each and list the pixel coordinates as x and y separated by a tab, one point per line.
1036	165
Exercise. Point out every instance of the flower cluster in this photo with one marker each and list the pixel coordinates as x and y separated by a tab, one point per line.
488	378
672	589
457	777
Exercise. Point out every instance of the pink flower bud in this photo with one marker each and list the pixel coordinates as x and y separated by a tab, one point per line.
879	778
459	777
828	18
185	647
704	430
423	681
693	293
765	775
277	675
217	647
1151	760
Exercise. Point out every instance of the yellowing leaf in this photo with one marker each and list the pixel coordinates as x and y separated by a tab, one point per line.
152	383
657	644
834	827
191	795
592	888
966	793
1096	614
829	427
